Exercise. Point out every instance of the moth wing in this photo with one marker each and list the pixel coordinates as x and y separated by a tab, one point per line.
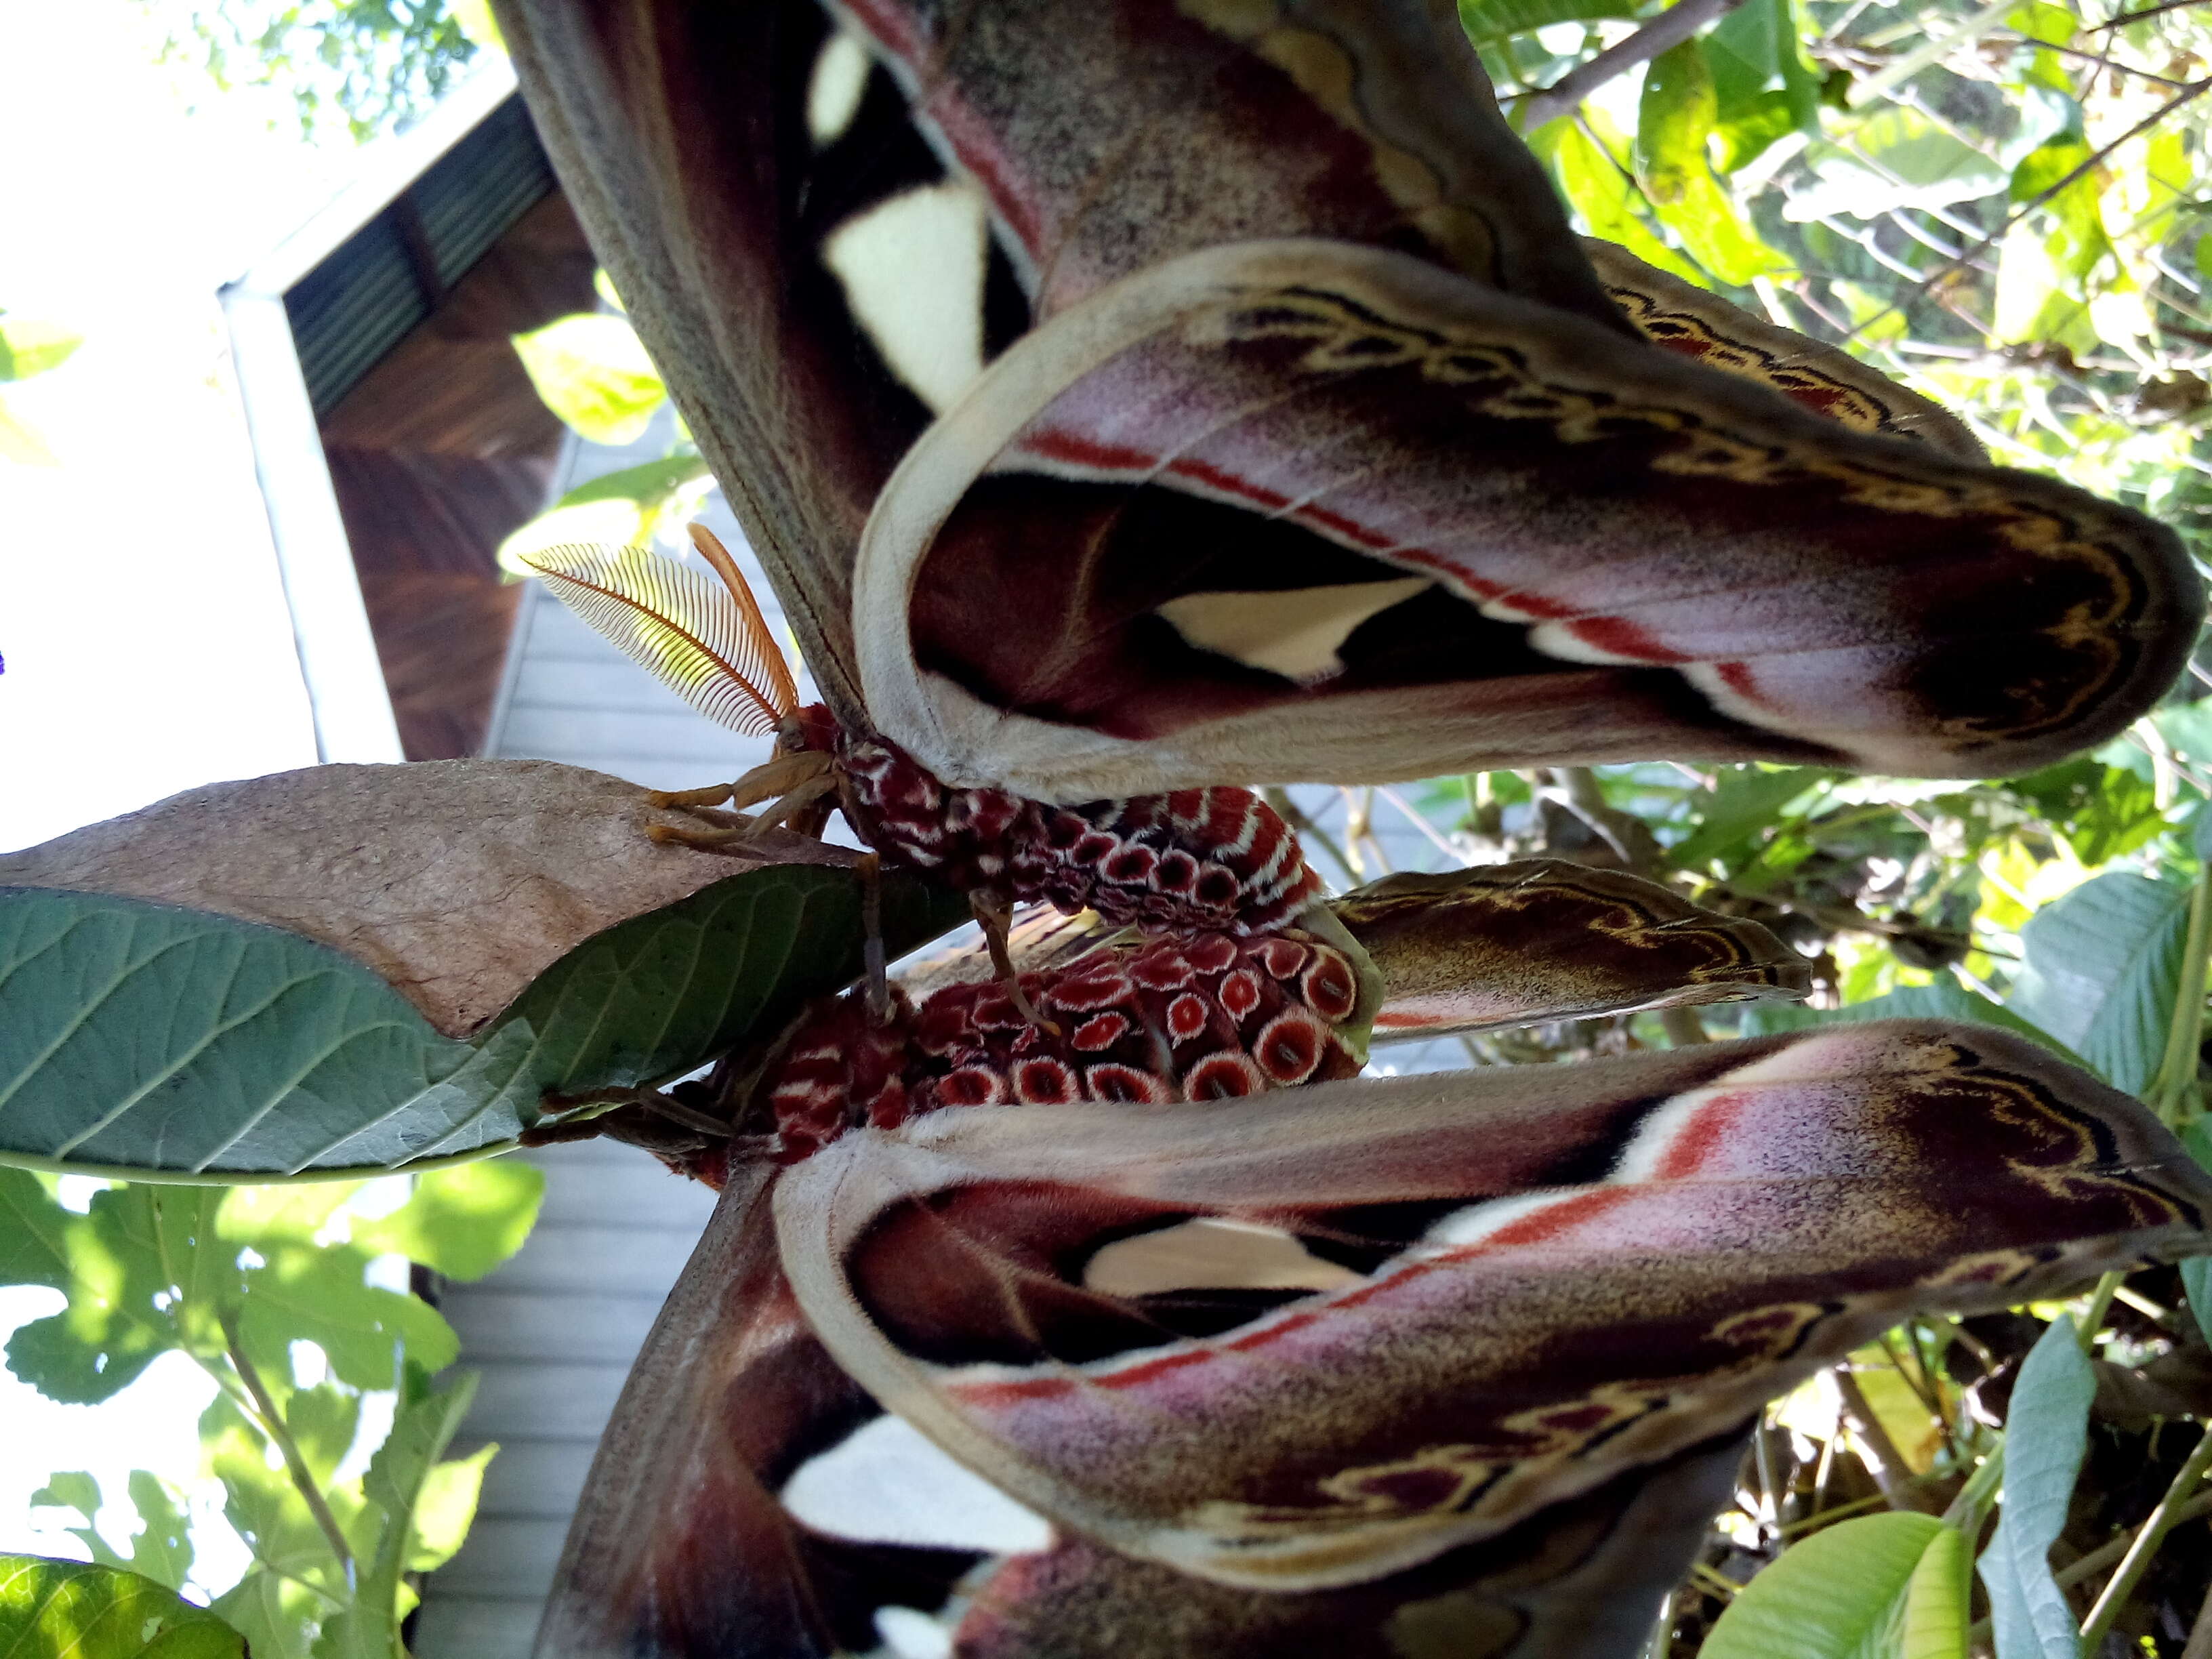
1535	940
1312	1339
1698	324
1305	509
680	1548
1581	1580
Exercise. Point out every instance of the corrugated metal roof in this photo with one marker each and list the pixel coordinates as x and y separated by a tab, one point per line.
384	279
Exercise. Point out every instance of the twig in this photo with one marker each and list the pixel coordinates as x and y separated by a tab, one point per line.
2096	159
1421	823
296	1462
2127	17
1877	1450
2148	1537
2200	1633
1309	833
1668	29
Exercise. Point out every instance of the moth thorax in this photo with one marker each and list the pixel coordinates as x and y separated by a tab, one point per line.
1188	1017
811	728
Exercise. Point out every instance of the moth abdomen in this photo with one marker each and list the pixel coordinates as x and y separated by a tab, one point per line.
1190	1016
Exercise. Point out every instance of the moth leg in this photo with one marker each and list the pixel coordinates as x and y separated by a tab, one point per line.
995	915
801	808
713	795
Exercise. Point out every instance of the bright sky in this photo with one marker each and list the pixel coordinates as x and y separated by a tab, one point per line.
147	646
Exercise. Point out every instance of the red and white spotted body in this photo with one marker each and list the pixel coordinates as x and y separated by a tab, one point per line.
1190	1016
1220	858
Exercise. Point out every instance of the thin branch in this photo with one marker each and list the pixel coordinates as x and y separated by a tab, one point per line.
2127	17
2151	1535
296	1462
1876	1450
2102	62
1668	29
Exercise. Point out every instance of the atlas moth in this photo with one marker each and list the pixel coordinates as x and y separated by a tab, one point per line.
1194	859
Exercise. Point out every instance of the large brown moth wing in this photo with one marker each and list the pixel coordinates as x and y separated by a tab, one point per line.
680	1548
819	240
1107	137
1542	939
1698	325
1305	509
1581	1580
1314	1338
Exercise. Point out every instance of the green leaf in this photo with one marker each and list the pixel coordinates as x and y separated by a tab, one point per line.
447	1505
1488	22
620	509
1895	158
1677	116
2103	966
276	1615
2195	1280
126	1265
318	1296
461	1222
1600	189
76	1489
398	1478
73	1610
1763	85
592	370
29	347
2047	1431
144	1037
1745	800
2102	810
1840	1593
650	482
20	444
161	1550
1938	1600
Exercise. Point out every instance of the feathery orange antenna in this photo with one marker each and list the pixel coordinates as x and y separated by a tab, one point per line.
705	641
763	651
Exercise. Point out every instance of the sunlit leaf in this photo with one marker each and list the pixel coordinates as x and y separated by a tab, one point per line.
592	370
461	1222
1840	1593
1763	85
29	346
1897	157
79	1610
1600	189
1676	118
447	1505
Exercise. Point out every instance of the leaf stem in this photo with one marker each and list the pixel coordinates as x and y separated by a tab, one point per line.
2147	1539
2184	1032
295	1461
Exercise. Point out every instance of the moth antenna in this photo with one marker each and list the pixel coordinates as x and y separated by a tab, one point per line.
685	630
766	655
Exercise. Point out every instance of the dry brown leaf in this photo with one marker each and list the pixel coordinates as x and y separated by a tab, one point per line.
458	881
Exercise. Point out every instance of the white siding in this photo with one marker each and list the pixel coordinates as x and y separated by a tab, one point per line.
554	1332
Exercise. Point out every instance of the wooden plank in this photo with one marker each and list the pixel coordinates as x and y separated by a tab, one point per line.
504	1559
